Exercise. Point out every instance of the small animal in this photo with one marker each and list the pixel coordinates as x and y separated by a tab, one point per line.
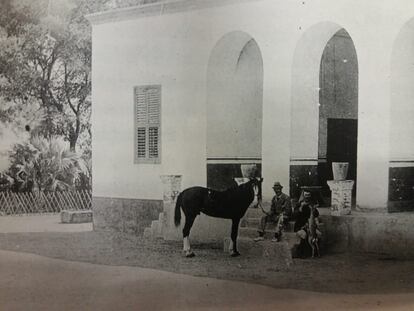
313	239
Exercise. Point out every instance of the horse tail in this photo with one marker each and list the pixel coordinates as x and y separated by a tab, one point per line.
177	213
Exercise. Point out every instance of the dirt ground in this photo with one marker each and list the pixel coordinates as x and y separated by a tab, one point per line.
333	273
32	282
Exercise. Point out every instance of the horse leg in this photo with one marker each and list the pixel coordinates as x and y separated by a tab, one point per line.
310	242
189	220
313	249
234	231
317	248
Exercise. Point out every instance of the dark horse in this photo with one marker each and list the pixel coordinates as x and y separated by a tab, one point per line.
229	204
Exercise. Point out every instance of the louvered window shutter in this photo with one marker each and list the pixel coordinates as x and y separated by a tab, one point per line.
147	123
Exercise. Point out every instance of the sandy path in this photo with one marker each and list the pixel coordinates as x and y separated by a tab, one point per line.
31	282
39	223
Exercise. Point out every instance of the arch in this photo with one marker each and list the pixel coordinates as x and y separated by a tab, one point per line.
234	107
401	118
305	89
310	108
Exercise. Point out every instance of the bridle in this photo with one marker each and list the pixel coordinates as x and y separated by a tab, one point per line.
258	195
257	183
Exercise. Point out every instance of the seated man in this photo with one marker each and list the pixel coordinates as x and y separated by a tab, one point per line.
301	214
281	207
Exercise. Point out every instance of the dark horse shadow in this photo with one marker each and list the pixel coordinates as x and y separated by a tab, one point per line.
229	204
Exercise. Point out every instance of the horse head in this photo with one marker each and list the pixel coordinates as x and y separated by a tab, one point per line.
256	183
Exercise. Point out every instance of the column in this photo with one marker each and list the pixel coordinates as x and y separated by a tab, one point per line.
276	120
373	122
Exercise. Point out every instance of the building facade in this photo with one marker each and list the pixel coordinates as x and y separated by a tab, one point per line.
289	85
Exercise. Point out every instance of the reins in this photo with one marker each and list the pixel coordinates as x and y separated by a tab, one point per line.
259	197
261	207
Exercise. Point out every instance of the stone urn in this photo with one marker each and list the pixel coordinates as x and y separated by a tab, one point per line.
249	170
340	170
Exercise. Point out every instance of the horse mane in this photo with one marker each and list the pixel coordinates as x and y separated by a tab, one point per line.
232	188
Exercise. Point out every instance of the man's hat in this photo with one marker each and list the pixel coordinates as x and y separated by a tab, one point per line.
277	185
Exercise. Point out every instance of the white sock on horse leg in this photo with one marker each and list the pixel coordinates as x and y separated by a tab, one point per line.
186	244
231	245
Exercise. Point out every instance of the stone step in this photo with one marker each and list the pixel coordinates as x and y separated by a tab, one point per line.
154	225
254	223
280	253
76	217
161	217
148	233
156	229
249	232
252	233
254	213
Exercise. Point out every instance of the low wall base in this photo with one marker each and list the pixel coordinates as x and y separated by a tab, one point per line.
382	233
124	215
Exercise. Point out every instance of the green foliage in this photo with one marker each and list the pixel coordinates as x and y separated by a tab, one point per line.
45	86
46	164
45	65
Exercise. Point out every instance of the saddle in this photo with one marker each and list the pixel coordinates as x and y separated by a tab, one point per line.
215	198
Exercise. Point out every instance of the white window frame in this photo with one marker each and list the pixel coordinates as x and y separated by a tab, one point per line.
147	124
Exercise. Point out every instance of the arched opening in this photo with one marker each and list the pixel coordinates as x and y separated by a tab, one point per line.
234	108
401	171
324	109
338	109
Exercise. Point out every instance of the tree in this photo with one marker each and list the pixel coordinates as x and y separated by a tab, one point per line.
45	64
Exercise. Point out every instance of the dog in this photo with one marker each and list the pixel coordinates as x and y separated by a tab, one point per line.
313	238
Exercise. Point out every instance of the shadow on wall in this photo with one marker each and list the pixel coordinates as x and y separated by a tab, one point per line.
302	175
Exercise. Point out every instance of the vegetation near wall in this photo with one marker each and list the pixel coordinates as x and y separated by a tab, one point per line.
45	92
45	87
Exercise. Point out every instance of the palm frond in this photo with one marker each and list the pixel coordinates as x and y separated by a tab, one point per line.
50	164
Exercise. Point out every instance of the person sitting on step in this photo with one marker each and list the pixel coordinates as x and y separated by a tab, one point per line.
280	213
301	215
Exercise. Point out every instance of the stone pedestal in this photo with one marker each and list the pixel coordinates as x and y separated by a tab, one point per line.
341	199
76	217
171	189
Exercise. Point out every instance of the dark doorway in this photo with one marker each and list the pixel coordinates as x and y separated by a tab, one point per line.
342	142
338	109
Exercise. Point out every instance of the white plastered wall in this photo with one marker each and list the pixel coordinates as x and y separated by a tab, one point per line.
173	50
234	98
402	97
